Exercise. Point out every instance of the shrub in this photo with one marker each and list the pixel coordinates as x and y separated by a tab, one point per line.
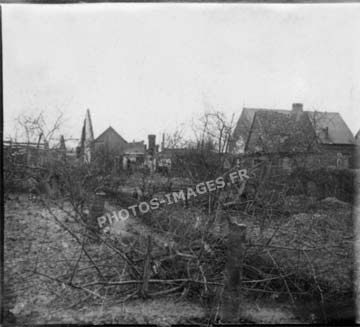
337	183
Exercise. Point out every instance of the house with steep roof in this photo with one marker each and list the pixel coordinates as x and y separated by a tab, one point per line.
289	133
123	153
110	141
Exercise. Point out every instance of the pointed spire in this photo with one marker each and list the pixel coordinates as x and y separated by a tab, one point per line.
87	138
89	134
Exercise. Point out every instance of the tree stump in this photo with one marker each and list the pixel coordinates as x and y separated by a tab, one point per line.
232	295
147	269
97	210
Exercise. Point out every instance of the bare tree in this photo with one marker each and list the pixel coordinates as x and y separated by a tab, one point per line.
211	136
176	139
28	164
36	127
214	128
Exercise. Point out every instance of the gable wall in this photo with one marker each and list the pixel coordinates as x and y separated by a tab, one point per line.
242	128
255	142
111	142
277	132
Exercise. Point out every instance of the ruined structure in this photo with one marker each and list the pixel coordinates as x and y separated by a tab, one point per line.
85	148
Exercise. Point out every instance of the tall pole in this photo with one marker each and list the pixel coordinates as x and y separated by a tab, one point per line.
232	294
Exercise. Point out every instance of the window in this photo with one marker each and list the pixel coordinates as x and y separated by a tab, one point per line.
339	160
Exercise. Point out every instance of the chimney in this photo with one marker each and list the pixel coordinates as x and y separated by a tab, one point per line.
152	142
297	109
163	142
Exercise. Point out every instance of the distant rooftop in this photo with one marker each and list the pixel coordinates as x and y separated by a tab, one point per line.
337	131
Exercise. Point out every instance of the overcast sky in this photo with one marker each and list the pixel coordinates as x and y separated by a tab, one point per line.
147	68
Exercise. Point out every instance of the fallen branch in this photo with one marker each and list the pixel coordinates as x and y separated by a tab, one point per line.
283	278
69	284
152	281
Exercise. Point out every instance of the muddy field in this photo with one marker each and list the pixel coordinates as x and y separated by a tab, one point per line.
33	239
38	252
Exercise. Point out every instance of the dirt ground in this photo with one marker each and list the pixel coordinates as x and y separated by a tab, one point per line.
33	239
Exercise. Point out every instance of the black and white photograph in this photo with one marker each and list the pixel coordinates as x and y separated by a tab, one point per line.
180	163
